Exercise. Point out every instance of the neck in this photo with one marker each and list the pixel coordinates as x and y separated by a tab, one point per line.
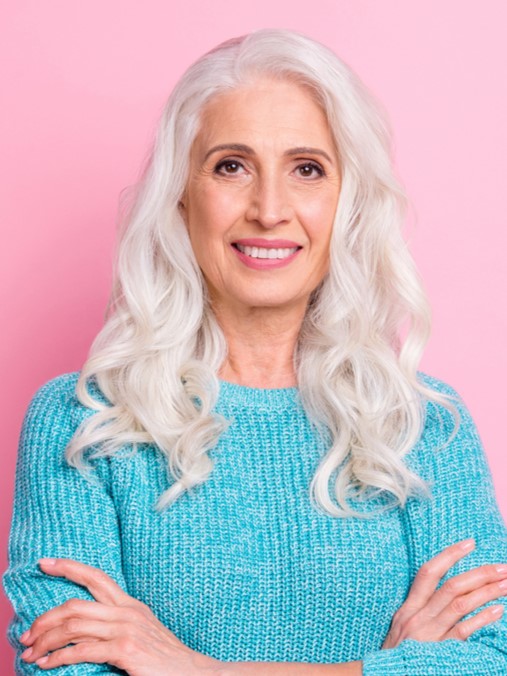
261	343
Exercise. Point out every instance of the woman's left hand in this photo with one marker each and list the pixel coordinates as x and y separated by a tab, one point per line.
115	629
430	613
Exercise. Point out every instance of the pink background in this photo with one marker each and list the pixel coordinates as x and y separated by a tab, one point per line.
84	84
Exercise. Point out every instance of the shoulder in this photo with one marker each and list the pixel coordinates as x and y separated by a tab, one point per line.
436	384
449	436
54	412
445	412
58	395
60	389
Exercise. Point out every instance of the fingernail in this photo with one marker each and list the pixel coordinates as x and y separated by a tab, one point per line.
25	637
467	544
26	654
501	569
47	562
497	610
42	660
503	584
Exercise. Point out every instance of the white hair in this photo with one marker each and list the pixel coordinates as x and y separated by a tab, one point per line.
153	367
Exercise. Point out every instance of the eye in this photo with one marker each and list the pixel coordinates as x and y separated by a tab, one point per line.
310	170
228	167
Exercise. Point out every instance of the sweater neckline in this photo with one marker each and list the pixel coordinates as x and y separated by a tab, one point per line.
257	397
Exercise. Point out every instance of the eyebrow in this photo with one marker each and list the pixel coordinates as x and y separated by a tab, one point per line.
242	148
306	150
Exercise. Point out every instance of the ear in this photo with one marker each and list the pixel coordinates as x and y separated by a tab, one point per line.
182	208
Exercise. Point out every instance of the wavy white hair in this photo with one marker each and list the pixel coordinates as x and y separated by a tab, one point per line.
156	359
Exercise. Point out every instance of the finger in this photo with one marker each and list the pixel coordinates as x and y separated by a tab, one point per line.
72	631
463	605
99	584
465	629
73	608
460	586
429	575
96	653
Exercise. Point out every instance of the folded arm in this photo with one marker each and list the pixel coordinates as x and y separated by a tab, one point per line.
57	512
462	506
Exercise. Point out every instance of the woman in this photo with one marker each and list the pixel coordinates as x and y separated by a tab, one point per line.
265	484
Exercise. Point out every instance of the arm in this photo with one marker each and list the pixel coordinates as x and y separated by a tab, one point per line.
462	506
290	669
384	658
57	512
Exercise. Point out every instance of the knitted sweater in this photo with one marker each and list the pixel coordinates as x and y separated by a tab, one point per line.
242	567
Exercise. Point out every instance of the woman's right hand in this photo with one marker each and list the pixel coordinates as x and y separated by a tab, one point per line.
431	614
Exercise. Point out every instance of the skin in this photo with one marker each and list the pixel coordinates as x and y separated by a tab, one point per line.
271	191
266	191
119	630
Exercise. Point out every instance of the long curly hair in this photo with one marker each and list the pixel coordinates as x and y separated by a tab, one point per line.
155	362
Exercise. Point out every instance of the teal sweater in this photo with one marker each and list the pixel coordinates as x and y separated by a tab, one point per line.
243	567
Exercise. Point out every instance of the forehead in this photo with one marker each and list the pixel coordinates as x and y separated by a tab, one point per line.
265	108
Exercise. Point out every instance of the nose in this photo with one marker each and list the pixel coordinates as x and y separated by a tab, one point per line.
269	203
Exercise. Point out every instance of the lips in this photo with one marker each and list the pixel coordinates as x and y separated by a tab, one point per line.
265	249
267	243
262	254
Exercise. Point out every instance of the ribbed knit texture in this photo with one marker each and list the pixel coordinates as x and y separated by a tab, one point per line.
243	567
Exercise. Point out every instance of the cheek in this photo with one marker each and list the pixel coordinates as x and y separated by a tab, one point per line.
319	219
211	213
207	234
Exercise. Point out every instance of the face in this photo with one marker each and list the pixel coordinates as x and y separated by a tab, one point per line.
262	194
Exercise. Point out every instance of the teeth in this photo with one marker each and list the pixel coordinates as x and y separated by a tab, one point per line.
260	252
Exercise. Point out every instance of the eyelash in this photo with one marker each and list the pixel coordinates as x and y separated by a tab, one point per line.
223	163
313	165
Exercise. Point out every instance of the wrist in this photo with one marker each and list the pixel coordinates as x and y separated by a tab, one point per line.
288	668
209	665
224	669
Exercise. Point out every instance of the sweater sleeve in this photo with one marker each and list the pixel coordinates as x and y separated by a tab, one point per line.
462	505
57	513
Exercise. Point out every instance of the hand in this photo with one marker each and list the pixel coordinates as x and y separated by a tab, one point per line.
429	614
115	629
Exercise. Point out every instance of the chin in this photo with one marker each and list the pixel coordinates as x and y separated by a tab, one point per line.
272	301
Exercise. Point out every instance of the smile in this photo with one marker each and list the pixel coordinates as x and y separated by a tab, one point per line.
261	252
278	254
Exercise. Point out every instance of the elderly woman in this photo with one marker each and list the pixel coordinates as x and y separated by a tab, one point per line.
249	476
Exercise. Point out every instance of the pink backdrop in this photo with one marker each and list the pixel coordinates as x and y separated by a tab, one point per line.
85	83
